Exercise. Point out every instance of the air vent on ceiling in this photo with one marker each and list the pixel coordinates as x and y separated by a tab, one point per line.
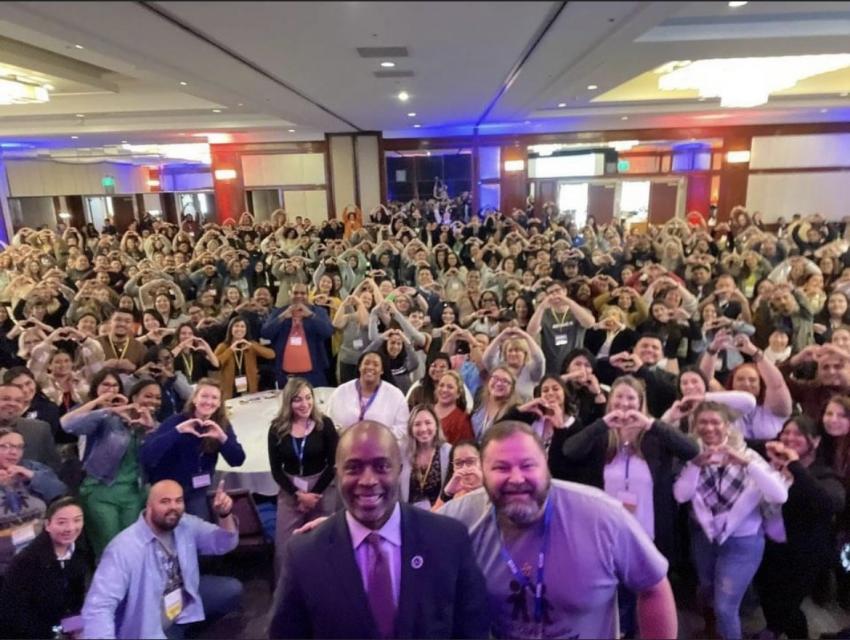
393	74
382	52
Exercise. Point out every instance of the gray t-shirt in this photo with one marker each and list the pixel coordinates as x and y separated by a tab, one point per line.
595	544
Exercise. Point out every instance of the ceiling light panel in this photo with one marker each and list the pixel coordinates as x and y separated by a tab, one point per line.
382	52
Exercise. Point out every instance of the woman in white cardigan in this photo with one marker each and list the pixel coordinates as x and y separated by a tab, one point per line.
727	485
424	469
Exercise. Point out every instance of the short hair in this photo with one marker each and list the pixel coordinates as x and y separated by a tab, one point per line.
14	372
383	429
61	503
505	429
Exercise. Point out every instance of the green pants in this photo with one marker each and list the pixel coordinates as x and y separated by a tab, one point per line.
108	510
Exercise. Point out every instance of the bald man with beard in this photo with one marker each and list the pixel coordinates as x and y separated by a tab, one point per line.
148	584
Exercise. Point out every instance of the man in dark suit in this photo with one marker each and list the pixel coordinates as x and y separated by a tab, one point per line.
379	569
39	444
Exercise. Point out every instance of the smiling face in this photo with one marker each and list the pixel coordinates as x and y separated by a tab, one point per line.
711	428
239	330
552	392
11	449
500	385
207	400
835	420
65	526
60	364
837	305
150	322
302	403
437	368
747	379
691	384
424	428
368	465
371	369
27	387
148	397
447	390
624	398
395	344
516	477
794	438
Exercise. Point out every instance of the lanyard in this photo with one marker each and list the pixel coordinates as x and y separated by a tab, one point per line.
423	478
364	409
299	447
238	356
189	365
628	462
123	352
519	576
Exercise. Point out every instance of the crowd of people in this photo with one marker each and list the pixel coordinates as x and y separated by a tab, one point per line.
640	405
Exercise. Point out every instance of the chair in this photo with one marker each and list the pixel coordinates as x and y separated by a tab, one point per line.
252	537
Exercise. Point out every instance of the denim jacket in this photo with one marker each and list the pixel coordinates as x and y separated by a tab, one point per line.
107	440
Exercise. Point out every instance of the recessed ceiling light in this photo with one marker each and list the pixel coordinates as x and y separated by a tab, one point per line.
291	130
75	137
592	87
412	114
404	96
123	142
81	115
240	104
387	64
735	5
417	126
824	110
79	46
624	118
183	83
561	105
216	110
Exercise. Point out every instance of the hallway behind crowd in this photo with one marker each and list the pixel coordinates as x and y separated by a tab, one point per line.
697	372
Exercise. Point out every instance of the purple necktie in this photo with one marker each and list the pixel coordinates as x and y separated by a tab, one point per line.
380	590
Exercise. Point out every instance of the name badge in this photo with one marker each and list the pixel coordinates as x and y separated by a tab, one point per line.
241	384
561	339
24	534
357	344
173	603
296	341
629	500
201	481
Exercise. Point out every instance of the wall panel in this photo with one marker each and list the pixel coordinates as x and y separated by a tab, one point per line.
368	172
784	194
808	151
341	149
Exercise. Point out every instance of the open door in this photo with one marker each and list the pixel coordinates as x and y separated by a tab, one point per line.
600	202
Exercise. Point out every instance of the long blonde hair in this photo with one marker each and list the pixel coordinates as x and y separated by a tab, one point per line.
484	393
282	422
439	436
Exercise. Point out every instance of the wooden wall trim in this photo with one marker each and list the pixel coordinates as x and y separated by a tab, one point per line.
355	139
329	178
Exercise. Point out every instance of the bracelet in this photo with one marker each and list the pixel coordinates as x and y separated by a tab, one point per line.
758	356
711	352
226	515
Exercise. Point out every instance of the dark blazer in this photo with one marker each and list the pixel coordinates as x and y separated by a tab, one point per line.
625	340
38	592
321	594
661	446
39	444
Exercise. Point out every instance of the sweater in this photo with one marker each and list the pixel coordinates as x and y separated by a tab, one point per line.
228	369
170	455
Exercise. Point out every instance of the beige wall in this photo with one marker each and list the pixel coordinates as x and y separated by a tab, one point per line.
50	178
342	171
281	170
368	172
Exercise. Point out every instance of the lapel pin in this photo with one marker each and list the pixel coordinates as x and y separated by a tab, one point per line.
416	562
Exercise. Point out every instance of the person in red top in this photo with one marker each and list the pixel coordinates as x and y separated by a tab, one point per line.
451	408
298	333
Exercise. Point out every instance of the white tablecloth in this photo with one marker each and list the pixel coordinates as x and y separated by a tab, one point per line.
250	416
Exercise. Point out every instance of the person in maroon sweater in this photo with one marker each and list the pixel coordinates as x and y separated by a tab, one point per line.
832	377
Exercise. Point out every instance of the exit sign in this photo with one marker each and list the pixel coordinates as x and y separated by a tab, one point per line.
108	184
623	166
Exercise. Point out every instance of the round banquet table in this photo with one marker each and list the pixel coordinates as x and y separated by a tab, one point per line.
250	416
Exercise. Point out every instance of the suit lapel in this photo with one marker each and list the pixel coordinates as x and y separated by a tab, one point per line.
343	571
411	578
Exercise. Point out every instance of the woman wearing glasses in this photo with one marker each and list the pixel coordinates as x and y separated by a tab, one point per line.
497	397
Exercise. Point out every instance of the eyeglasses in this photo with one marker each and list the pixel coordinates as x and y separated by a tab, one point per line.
463	463
500	380
13	447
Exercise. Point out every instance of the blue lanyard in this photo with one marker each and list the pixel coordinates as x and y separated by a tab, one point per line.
519	576
369	402
299	452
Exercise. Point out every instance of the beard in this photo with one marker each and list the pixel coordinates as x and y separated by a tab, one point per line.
521	512
167	521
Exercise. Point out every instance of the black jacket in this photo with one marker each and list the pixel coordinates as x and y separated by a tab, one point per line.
38	592
661	446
